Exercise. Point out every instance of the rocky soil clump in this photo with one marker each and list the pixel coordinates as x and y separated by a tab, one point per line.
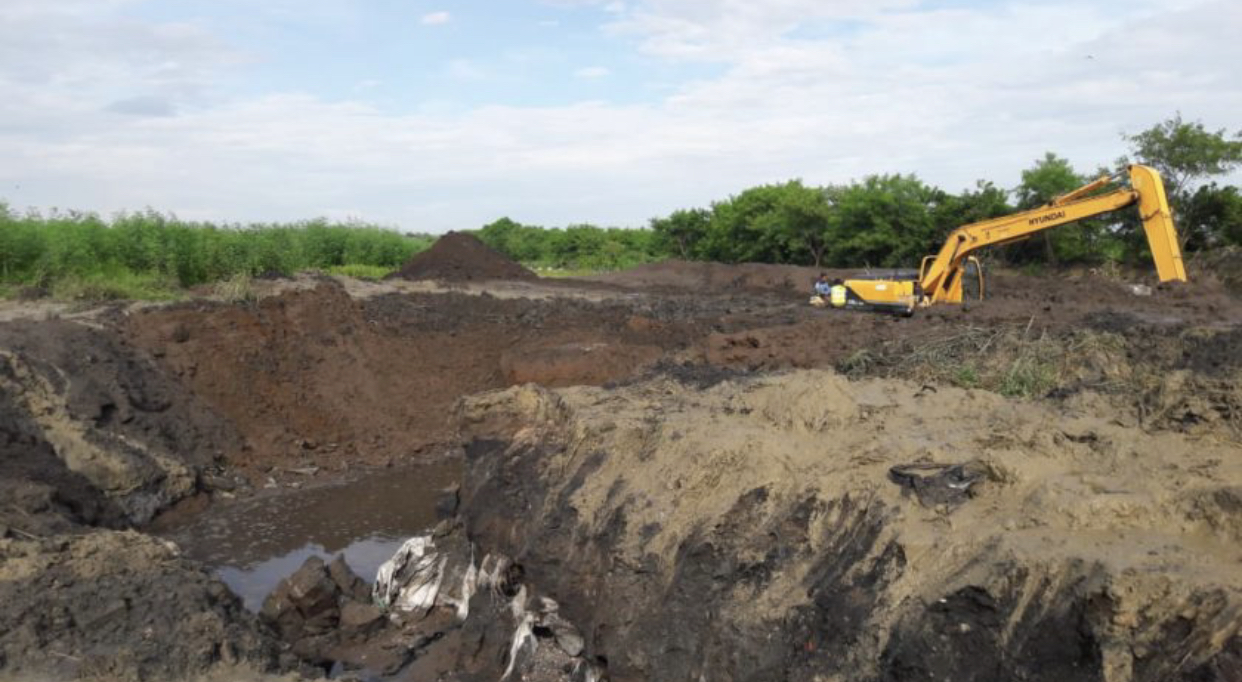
325	616
113	605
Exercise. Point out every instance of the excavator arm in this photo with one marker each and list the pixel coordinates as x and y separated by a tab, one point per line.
941	280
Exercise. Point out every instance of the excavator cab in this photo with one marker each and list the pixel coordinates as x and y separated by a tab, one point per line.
965	285
972	280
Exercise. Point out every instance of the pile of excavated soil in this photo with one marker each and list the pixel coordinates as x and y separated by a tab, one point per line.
805	527
94	435
461	257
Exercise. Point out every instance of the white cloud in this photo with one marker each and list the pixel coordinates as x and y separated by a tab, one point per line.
436	18
827	91
591	72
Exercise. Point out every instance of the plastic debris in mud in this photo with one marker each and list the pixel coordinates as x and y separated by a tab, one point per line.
423	575
935	484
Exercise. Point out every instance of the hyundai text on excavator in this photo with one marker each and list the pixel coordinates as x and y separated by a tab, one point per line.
954	274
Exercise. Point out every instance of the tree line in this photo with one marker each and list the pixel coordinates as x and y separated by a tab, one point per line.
895	219
879	221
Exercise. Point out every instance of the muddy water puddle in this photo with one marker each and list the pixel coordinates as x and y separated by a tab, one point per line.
253	544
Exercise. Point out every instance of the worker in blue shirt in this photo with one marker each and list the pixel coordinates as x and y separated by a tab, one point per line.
823	290
822	286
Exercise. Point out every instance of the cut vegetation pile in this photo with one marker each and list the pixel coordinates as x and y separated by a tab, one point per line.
460	257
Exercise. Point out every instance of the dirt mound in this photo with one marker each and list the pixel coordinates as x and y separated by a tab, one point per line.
461	257
803	527
119	606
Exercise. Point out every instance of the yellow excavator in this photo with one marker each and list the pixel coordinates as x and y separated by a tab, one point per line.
954	275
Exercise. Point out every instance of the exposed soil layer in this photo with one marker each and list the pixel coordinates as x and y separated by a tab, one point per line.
314	377
761	530
458	257
99	425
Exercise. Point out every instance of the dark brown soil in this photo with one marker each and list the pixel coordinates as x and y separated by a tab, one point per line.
460	257
717	278
317	378
314	377
119	606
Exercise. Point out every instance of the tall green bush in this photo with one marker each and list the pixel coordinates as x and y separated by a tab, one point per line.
59	249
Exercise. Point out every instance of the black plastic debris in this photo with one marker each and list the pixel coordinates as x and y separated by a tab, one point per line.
936	484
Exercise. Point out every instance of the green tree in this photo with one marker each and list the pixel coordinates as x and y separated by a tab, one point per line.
681	232
1185	153
744	228
805	217
885	220
984	202
1212	217
1050	177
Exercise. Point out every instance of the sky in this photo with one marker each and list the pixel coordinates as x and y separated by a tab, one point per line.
434	115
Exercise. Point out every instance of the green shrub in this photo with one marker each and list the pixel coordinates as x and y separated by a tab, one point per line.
81	256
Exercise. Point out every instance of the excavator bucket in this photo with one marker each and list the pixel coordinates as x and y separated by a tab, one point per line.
1158	223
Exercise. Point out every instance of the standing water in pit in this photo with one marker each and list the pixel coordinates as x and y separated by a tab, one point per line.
253	544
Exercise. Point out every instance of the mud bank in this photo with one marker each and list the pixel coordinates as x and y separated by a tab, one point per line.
804	527
93	428
93	436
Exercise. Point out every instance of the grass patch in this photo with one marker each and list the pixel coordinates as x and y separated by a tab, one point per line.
115	286
859	363
558	273
1027	377
966	376
1011	360
236	289
372	273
